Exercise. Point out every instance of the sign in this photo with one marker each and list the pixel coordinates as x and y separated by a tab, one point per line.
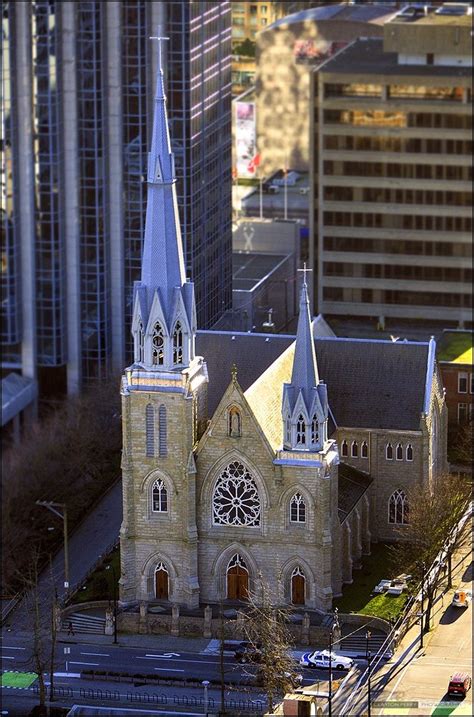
245	142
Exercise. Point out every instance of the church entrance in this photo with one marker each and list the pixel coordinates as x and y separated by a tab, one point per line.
161	583
298	583
237	579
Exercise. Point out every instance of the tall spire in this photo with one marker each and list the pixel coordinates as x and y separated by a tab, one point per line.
305	369
162	261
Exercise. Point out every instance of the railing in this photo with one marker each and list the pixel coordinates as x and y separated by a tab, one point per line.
77	585
10	606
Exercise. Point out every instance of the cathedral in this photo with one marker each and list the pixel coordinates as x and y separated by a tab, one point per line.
249	456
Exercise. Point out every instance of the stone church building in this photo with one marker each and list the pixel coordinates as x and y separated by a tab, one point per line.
249	455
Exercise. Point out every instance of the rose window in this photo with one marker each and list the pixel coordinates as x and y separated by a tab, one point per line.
236	500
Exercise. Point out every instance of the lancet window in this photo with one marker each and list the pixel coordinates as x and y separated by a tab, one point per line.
158	345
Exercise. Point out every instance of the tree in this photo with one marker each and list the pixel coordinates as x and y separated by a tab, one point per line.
434	515
245	49
266	628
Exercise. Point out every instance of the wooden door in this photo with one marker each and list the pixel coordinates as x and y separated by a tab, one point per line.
237	583
161	585
297	589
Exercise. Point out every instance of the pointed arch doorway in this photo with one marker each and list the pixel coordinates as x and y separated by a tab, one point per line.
298	585
161	582
237	579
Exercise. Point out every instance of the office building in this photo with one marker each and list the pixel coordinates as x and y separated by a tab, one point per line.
392	168
77	79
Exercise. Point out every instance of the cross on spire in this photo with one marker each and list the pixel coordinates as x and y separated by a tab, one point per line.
304	270
160	39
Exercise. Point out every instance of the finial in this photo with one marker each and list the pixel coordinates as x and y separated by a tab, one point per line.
159	38
304	270
233	372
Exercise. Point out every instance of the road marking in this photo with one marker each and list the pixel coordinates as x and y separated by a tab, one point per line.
67	674
166	669
96	664
96	654
5	647
165	654
6	657
193	662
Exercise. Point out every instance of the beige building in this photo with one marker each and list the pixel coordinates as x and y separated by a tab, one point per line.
392	171
287	51
249	455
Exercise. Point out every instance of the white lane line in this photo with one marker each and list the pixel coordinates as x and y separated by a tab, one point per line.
67	674
95	654
6	657
166	669
96	664
193	662
5	647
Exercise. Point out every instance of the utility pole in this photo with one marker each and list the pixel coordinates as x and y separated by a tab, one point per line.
330	674
51	505
422	601
369	697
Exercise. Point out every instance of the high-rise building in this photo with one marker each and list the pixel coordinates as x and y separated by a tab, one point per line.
76	80
392	168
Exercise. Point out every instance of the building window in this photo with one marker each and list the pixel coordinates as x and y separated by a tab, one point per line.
399	452
297	509
236	500
159	496
162	432
344	451
314	430
471	387
158	345
234	424
150	430
409	452
398	508
462	383
364	450
389	452
354	449
288	430
140	342
178	344
462	413
300	431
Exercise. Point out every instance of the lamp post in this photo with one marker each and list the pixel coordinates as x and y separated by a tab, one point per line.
369	711
114	578
423	567
330	673
205	684
51	505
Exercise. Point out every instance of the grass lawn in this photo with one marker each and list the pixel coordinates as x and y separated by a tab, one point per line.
18	679
357	597
100	585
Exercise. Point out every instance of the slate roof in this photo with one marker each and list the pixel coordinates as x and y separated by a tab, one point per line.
371	384
352	486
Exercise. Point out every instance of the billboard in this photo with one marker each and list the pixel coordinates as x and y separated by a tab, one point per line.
245	138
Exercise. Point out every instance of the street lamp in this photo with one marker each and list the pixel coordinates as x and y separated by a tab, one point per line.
114	578
50	505
369	711
205	684
330	672
423	568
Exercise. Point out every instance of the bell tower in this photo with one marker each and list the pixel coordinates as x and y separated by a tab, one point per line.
163	399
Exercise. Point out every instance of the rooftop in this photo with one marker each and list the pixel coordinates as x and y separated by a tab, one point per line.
250	269
456	347
366	56
352	13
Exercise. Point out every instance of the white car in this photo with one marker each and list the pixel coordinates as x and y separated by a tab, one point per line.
461	598
320	659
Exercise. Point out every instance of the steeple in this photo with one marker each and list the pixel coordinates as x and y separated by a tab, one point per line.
164	322
305	405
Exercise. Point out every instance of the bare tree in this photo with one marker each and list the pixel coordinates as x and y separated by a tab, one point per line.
266	628
431	529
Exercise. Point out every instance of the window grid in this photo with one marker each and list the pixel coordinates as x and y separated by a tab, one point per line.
297	509
159	497
398	508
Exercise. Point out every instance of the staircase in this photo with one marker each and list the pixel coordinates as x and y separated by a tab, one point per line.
357	643
82	622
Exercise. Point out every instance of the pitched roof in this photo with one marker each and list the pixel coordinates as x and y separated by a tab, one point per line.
371	384
352	485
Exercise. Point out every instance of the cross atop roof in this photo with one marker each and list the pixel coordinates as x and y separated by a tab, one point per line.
159	39
304	270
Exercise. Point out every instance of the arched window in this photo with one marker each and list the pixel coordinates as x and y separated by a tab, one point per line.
234	424
150	430
158	345
298	586
140	342
344	451
288	429
399	453
389	452
354	449
236	500
237	578
161	582
162	432
364	450
300	431
409	452
398	508
297	509
314	429
159	497
178	343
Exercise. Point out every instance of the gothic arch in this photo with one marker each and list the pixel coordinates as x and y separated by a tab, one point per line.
219	567
284	506
285	578
148	574
215	471
157	474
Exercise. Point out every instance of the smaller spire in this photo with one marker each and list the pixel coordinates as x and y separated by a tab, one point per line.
305	370
233	372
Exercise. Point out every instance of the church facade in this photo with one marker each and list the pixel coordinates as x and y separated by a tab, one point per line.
249	457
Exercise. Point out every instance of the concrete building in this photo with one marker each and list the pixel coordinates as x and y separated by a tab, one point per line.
251	457
392	170
76	79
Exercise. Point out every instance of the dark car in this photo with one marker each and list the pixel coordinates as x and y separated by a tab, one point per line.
248	653
459	684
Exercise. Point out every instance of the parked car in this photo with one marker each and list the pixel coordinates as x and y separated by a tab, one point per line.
320	659
382	587
461	598
248	653
459	685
